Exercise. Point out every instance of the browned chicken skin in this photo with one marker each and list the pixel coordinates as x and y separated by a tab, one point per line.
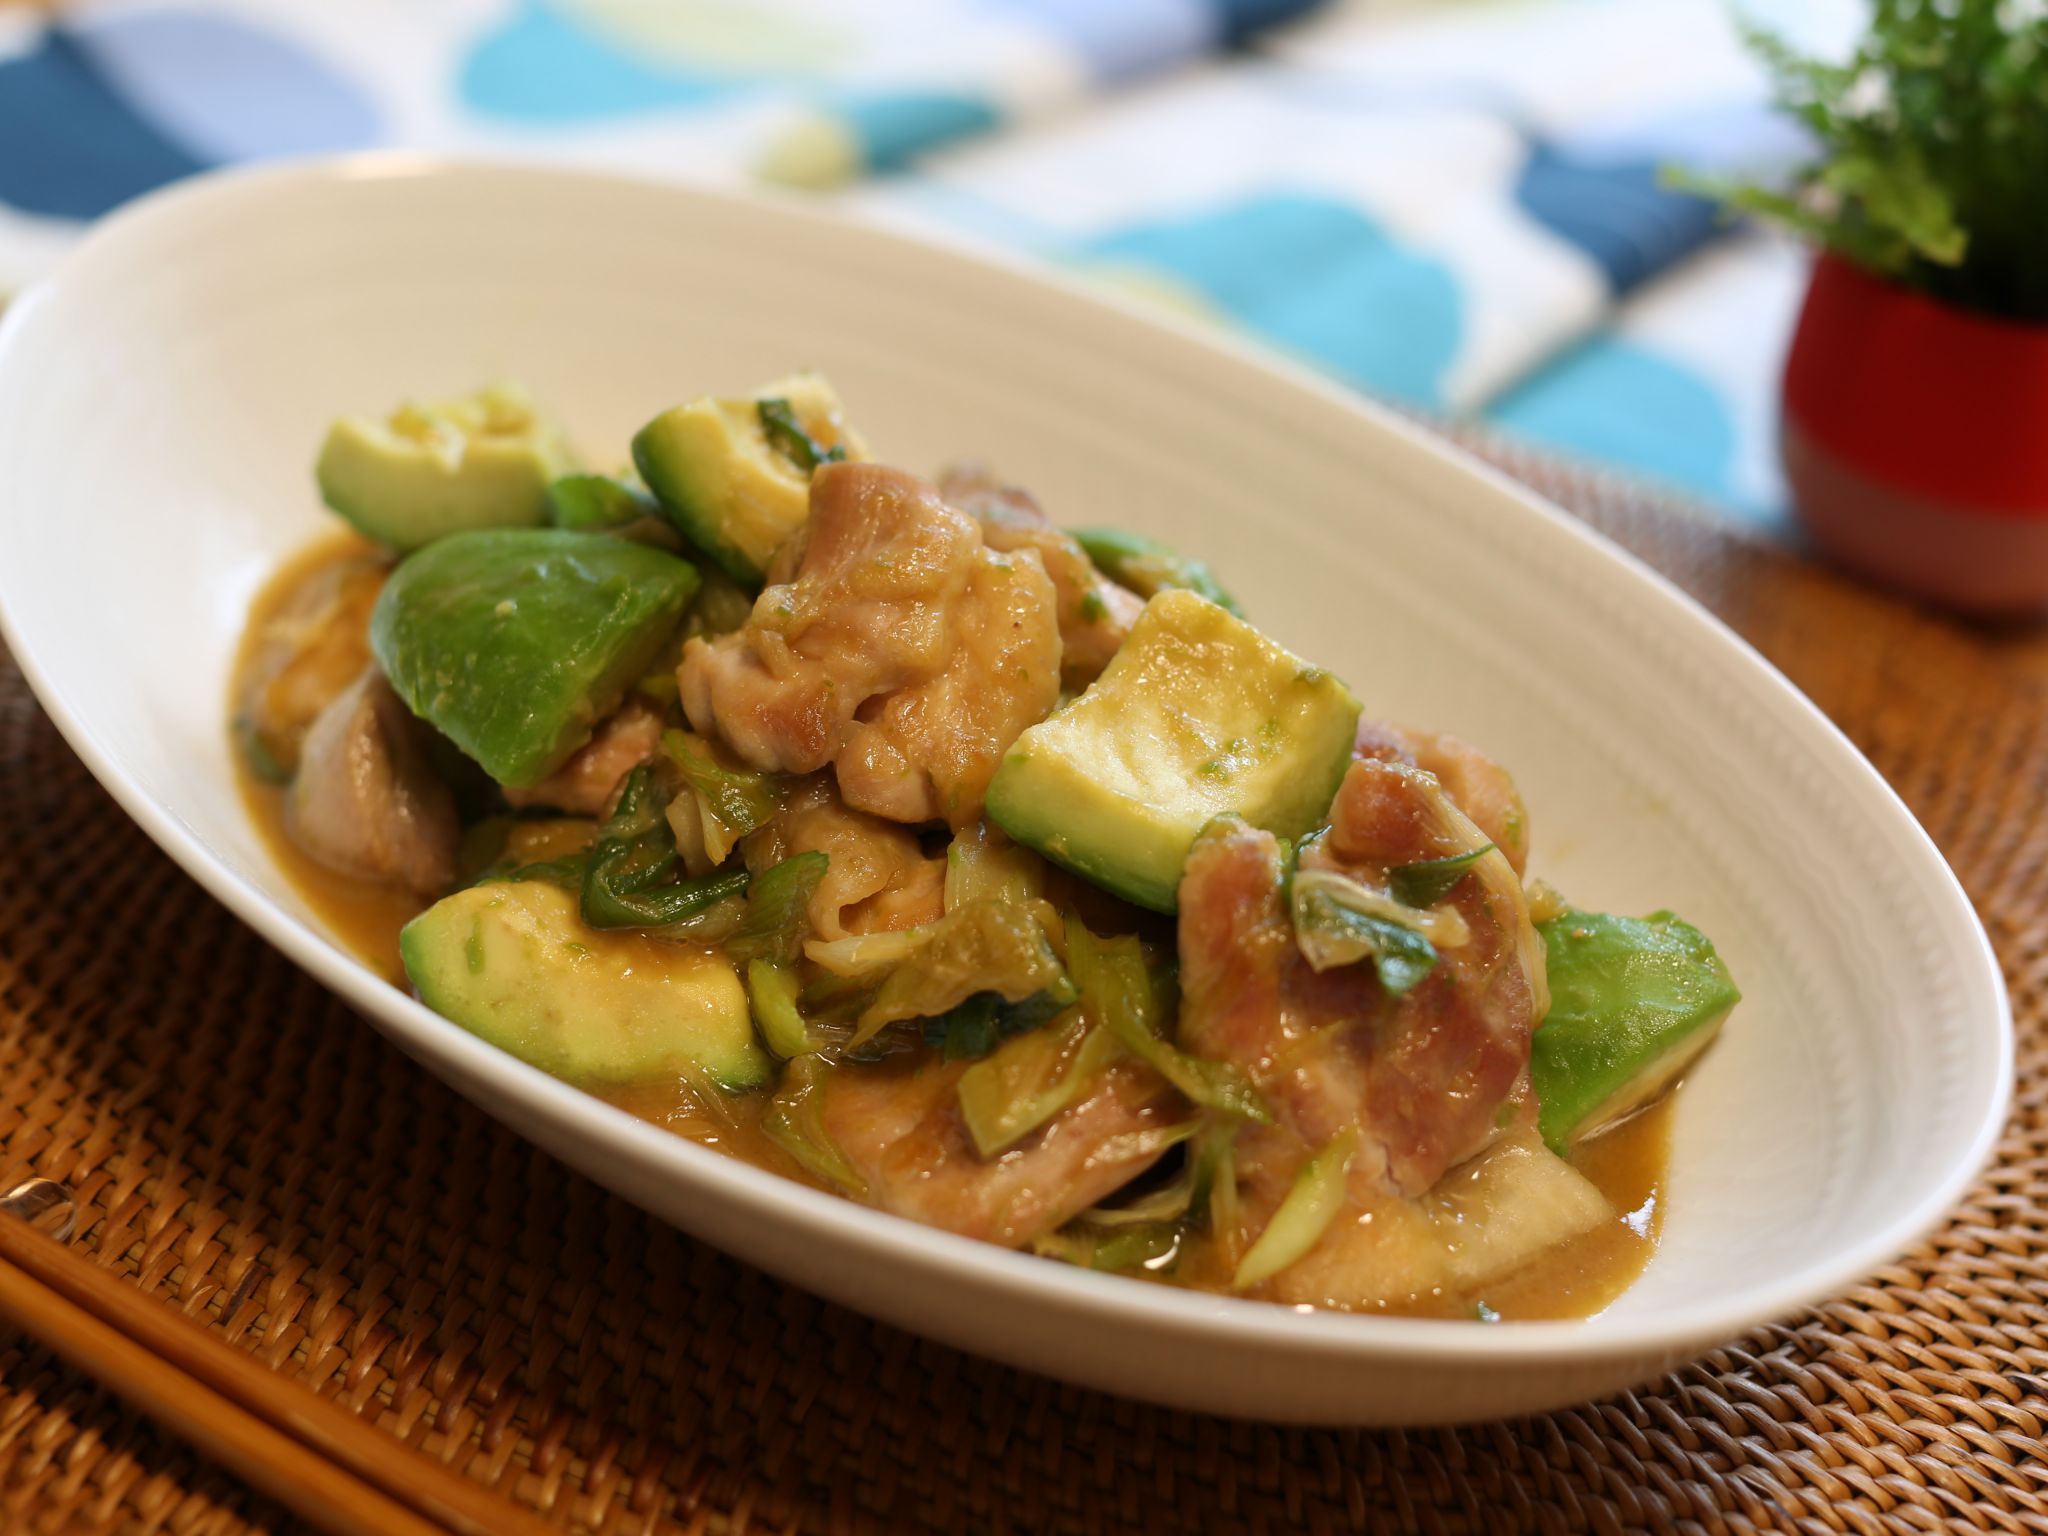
1094	612
366	801
900	649
312	648
901	1128
584	785
877	876
1478	785
1429	1078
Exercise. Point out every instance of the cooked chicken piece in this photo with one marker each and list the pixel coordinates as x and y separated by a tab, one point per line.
889	590
1478	785
1478	1224
1095	613
877	876
366	801
1430	1078
313	647
584	785
899	1124
929	751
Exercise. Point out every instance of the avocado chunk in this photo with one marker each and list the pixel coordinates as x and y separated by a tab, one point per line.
597	503
426	471
1633	1002
511	962
1197	716
514	643
1148	567
735	475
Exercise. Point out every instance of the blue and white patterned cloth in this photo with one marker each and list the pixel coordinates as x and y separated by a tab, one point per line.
1454	204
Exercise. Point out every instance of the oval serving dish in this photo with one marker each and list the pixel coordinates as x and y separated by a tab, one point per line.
160	398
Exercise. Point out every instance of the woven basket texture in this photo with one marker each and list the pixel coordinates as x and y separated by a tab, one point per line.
255	1155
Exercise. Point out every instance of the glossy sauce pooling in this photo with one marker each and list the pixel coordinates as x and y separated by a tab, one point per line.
1626	1164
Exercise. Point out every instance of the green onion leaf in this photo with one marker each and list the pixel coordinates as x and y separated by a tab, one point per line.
1148	567
628	866
1118	992
1304	1215
741	798
771	998
1144	1245
985	946
786	435
1429	881
1339	922
778	910
794	1122
983	1022
1028	1080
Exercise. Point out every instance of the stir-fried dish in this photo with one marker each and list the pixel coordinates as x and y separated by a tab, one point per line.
1002	876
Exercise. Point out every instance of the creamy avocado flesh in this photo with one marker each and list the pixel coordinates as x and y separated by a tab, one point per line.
733	487
1198	716
513	963
425	471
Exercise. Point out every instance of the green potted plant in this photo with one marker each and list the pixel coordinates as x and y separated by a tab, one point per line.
1915	432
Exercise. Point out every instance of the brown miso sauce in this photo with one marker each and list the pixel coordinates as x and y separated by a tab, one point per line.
361	915
1580	1278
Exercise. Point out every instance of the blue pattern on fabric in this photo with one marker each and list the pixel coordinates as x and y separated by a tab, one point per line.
1126	38
223	89
70	148
1241	18
1614	211
894	127
1318	278
1612	400
541	66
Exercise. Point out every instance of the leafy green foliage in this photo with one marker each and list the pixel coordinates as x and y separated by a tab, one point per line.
1933	138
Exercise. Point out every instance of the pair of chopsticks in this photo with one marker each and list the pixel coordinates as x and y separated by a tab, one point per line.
310	1455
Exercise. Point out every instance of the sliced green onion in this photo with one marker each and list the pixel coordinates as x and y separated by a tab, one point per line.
771	998
786	435
977	1026
732	801
778	901
1148	567
1027	1081
1146	1245
1429	881
983	865
1304	1214
986	946
795	1122
1337	922
1117	989
625	879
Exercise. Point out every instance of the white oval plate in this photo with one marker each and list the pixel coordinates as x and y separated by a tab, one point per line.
160	402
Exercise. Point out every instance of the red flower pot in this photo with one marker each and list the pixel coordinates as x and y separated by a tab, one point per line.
1916	441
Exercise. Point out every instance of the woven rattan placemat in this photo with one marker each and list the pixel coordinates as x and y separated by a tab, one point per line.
254	1154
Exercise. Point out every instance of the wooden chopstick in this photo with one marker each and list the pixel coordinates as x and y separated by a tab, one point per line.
312	1456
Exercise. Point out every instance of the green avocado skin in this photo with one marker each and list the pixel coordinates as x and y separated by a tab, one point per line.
513	643
1626	994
